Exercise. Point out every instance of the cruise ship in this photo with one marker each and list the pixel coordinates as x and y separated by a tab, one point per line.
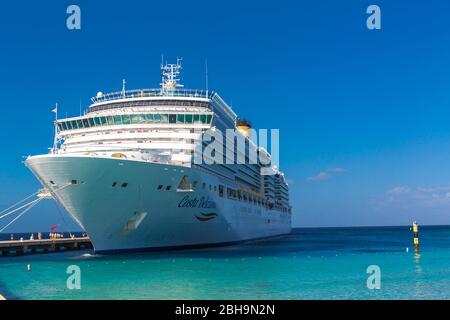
126	171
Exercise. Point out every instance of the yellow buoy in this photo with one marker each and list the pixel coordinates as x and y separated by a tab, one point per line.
416	236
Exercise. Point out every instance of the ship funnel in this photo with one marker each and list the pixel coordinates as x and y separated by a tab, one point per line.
244	126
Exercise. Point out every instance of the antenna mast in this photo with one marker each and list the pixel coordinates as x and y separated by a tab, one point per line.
124	82
206	74
170	76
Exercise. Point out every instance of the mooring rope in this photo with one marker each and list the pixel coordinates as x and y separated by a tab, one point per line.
23	212
17	203
17	209
28	205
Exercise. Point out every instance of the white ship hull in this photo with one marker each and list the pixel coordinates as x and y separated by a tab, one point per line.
137	216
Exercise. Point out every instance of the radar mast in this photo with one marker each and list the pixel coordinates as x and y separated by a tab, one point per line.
170	77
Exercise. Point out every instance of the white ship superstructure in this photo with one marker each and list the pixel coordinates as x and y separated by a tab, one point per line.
125	171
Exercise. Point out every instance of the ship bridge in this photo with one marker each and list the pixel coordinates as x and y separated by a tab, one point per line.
151	97
158	125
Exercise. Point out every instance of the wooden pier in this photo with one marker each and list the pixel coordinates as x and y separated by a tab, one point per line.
21	247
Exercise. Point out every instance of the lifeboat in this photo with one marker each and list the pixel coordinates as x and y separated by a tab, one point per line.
119	155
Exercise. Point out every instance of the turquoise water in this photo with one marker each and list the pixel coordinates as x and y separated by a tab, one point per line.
309	264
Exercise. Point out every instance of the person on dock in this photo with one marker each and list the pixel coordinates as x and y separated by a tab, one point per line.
39	235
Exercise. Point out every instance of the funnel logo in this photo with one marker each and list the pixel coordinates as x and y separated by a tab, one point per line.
206	216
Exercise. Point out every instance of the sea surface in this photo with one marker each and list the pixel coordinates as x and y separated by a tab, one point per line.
323	263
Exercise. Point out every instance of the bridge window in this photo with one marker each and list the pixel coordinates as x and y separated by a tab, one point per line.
110	120
126	119
137	118
118	119
149	118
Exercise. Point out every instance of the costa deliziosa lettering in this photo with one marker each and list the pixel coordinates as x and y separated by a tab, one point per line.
203	202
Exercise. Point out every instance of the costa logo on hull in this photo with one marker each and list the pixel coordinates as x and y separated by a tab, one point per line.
202	203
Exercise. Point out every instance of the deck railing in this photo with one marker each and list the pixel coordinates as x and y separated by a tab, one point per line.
142	93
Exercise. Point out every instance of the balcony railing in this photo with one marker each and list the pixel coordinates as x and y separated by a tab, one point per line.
143	93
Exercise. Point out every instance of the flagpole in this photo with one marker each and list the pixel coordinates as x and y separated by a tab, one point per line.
55	141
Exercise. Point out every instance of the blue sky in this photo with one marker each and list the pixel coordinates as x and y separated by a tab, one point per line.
363	115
